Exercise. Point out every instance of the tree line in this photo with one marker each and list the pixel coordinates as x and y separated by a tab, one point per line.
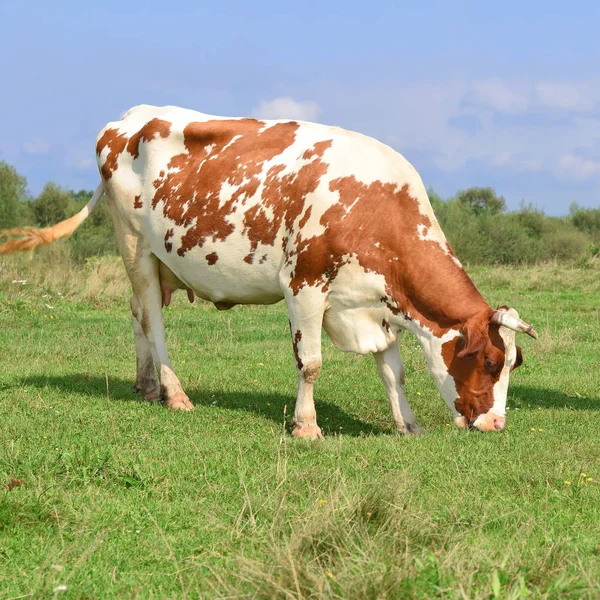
475	221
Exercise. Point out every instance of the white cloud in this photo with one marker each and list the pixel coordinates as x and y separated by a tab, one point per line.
286	107
498	95
419	121
36	146
86	163
564	96
577	169
516	162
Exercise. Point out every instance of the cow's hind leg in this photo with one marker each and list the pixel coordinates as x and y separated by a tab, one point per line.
146	308
146	381
391	370
306	320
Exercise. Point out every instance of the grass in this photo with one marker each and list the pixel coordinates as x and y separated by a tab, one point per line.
112	497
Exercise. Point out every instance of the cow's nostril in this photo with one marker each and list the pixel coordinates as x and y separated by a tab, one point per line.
499	424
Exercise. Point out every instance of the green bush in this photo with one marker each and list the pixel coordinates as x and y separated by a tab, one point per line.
586	220
488	236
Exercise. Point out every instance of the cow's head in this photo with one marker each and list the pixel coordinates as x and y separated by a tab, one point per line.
480	361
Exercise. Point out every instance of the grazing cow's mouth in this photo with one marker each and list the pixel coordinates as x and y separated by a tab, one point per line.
483	423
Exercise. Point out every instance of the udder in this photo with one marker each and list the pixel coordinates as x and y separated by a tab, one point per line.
169	282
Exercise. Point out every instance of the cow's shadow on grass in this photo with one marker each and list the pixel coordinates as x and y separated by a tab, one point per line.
521	396
332	419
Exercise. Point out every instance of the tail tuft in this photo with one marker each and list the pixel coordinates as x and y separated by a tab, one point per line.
31	237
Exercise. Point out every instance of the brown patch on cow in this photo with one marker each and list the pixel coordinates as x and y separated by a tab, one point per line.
238	150
296	340
305	217
263	259
378	224
234	152
116	143
311	371
212	258
224	305
169	245
317	150
137	202
386	324
475	361
146	134
285	197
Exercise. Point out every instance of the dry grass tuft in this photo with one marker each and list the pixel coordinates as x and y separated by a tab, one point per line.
99	281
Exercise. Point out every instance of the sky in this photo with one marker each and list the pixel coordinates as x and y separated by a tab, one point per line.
472	93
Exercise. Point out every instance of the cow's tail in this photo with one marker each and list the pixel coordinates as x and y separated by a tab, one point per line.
29	238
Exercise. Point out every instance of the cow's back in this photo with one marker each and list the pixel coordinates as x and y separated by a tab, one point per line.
243	210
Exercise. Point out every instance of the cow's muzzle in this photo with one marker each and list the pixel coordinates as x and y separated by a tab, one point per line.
487	422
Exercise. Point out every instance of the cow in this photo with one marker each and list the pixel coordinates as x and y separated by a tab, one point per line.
337	224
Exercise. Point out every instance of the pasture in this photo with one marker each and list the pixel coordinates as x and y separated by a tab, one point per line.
104	496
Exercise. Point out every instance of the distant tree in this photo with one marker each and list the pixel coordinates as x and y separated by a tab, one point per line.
586	219
54	204
482	200
82	196
532	218
13	193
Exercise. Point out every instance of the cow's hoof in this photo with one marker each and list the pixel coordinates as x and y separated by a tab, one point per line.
179	402
411	429
307	432
414	429
151	396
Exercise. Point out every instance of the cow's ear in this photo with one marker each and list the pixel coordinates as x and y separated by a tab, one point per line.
519	360
475	337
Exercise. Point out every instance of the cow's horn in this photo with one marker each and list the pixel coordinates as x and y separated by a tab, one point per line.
501	317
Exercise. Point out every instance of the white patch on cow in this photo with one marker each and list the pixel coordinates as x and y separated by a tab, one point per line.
436	235
501	386
234	139
432	345
355	314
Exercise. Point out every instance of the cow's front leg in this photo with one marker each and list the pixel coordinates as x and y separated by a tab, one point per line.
391	370
146	307
306	320
145	379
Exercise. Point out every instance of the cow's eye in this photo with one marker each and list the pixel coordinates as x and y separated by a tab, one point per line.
491	365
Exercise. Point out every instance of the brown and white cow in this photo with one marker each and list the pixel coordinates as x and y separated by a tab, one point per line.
246	211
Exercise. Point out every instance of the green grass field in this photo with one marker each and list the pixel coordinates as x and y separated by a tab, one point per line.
111	497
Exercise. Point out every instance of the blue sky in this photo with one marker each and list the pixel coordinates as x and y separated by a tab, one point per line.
472	93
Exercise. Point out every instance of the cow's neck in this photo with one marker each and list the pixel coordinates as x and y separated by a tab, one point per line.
437	295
